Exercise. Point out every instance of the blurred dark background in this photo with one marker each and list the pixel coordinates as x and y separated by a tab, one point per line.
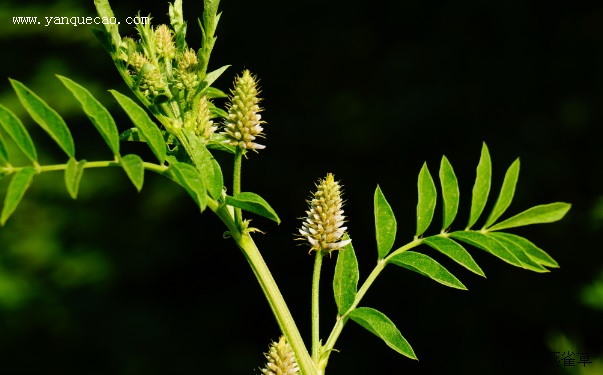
120	282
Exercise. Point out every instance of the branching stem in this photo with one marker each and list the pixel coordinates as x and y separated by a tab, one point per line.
342	320
271	291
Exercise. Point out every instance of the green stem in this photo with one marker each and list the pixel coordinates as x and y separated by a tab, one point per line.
268	284
315	304
236	184
342	320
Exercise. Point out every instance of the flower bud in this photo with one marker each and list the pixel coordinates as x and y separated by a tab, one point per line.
186	71
323	227
164	42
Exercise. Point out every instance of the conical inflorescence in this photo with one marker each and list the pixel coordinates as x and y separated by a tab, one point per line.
243	124
323	226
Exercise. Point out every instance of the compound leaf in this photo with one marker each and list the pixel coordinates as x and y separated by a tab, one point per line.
16	189
506	194
385	224
381	326
545	213
488	244
134	168
481	188
454	251
148	129
96	112
253	203
73	176
192	181
15	129
426	266
46	117
427	200
450	192
345	280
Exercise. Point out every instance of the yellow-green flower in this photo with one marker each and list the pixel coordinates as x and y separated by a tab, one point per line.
164	42
323	227
186	72
243	124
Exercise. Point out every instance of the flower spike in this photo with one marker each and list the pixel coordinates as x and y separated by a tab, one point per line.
323	227
243	124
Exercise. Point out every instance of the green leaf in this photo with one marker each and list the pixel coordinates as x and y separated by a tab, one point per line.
104	11
96	112
380	325
217	143
73	176
253	203
132	165
217	112
454	251
15	129
427	200
3	151
216	184
211	77
345	280
192	181
534	252
214	93
426	266
385	224
46	117
16	189
545	213
517	250
131	135
506	194
450	192
206	164
148	129
481	188
104	39
481	241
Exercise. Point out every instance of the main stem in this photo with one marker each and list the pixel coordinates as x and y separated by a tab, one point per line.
268	284
315	304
